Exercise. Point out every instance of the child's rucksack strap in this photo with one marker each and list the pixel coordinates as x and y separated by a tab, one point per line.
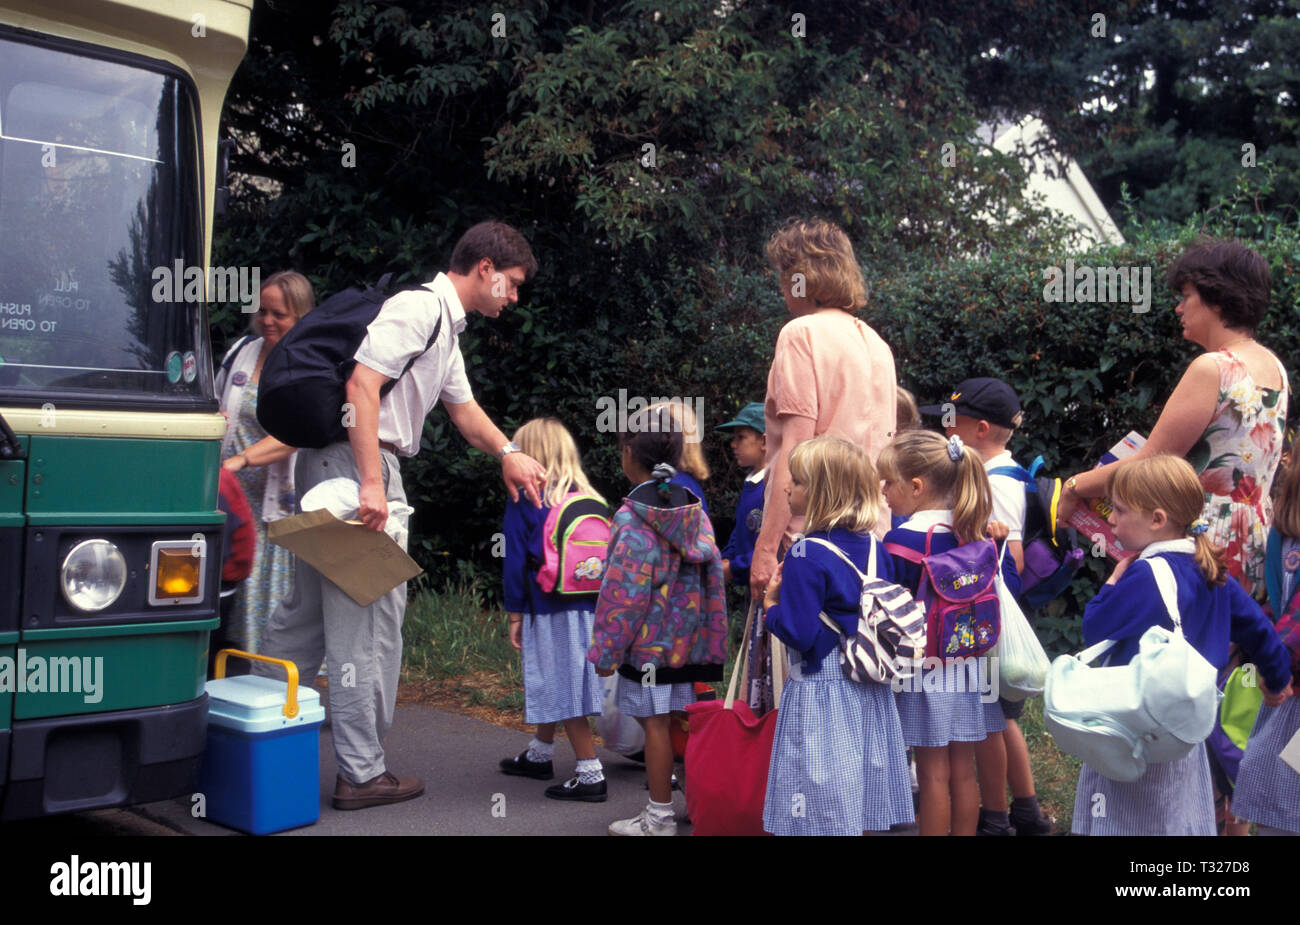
905	552
871	561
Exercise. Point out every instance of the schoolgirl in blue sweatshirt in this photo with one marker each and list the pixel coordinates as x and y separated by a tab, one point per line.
838	766
551	630
1268	789
941	487
1157	502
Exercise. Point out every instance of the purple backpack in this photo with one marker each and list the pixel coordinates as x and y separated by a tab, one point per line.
963	617
575	545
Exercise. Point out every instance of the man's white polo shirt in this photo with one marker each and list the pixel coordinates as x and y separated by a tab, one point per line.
399	332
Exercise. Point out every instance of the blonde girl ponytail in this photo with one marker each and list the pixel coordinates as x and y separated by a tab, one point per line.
952	471
1209	558
972	498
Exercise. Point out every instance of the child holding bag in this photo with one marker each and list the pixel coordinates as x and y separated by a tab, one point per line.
941	487
1157	504
661	618
839	766
551	630
1268	789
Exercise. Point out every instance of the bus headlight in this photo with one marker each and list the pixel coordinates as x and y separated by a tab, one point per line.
93	575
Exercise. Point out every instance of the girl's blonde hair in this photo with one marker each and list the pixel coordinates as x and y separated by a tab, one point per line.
822	254
962	483
692	449
1286	507
1169	483
843	488
549	442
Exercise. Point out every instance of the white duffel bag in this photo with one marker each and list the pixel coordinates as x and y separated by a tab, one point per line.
1157	708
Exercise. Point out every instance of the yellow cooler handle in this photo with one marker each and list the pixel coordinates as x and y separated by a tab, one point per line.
290	669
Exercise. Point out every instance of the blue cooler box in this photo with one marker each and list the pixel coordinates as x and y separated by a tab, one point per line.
261	770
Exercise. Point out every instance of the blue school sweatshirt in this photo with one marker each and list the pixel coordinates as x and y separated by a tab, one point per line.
1211	617
818	580
686	480
749	520
523	529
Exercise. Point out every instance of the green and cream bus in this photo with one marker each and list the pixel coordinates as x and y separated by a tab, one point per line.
110	535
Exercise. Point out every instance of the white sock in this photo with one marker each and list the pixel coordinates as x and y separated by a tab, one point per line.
660	812
590	771
540	751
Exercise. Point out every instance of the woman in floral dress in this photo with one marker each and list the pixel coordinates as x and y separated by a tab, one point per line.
1227	414
263	464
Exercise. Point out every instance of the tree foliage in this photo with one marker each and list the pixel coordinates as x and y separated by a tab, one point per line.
371	135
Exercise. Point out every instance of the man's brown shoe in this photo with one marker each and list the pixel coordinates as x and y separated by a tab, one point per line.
378	791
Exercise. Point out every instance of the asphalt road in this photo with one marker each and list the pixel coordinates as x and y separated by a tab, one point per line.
464	794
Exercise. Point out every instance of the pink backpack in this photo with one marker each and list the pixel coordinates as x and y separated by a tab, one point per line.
575	544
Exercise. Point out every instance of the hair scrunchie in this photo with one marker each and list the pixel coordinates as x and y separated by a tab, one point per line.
661	474
955	448
1199	525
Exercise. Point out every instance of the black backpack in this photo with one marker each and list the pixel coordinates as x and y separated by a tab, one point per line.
1051	548
303	386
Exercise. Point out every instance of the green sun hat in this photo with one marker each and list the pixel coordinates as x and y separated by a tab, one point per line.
750	416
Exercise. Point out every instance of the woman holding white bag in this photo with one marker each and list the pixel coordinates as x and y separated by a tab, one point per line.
1157	510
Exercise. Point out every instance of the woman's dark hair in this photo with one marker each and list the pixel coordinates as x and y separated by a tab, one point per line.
1229	276
655	437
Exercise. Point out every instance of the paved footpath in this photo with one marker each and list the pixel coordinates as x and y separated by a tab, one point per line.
464	793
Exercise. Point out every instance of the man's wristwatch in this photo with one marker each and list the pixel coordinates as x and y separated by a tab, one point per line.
510	447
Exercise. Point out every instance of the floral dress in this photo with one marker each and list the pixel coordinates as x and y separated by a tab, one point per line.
273	566
1236	458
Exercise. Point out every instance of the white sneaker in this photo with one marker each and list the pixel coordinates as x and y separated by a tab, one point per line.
643	824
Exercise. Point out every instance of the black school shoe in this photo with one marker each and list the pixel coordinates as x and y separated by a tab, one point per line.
574	789
1039	825
992	827
520	766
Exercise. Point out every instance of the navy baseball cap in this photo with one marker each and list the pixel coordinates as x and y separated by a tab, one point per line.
985	399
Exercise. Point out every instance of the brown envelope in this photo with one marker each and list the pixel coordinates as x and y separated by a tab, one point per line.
366	565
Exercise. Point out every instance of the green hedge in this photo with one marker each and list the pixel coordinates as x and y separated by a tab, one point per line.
1086	373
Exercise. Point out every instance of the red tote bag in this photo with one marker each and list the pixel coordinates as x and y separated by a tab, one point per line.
728	753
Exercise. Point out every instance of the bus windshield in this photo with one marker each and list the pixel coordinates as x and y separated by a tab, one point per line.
99	188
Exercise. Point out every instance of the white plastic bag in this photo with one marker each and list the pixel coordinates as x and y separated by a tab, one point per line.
342	498
1022	663
620	733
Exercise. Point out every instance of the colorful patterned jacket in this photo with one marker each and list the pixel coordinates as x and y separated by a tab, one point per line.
662	600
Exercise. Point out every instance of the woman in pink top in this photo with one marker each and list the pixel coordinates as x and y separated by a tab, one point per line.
831	374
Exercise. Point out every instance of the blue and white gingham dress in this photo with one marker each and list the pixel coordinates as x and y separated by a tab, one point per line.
1268	789
559	682
1171	798
641	700
994	719
839	766
933	718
